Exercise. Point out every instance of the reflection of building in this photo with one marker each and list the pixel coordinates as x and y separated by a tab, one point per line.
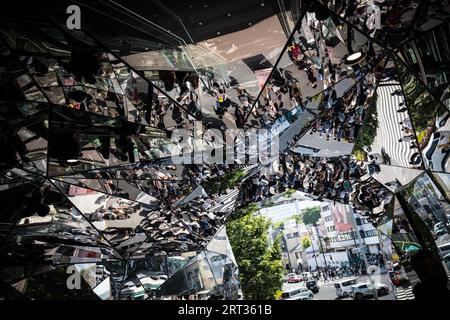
294	253
341	232
428	55
425	201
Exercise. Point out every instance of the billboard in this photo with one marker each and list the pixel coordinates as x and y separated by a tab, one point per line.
342	217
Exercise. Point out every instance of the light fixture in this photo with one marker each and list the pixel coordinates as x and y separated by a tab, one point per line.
72	161
355	58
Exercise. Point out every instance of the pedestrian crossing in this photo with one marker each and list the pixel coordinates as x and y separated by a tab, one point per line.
225	202
389	130
404	293
443	240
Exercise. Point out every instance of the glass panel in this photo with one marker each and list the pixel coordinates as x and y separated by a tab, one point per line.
429	119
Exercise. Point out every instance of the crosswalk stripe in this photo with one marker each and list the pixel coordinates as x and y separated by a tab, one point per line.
389	130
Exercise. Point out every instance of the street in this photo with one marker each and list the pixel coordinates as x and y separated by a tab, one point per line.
327	290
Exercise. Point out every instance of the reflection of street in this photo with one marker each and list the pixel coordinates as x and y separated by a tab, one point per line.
437	151
327	291
389	129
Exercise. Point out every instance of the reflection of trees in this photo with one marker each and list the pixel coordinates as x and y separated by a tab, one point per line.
306	242
423	108
243	212
311	215
220	184
368	131
260	267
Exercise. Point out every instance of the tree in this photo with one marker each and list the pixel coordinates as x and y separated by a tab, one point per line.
260	266
306	242
221	183
423	108
298	219
368	132
311	215
244	211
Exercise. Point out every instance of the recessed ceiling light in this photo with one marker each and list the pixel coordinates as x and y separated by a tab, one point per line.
229	14
218	32
262	4
250	23
200	23
355	58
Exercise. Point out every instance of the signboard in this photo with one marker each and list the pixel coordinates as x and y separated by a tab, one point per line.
342	217
77	191
262	75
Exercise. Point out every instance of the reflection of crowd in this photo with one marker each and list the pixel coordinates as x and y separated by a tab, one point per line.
166	183
120	211
342	118
306	57
338	179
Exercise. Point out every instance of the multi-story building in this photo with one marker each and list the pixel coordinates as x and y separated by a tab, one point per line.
340	229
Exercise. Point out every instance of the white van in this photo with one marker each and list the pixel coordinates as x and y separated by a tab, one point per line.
444	249
297	294
344	287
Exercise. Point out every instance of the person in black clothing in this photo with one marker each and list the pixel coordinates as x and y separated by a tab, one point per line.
433	279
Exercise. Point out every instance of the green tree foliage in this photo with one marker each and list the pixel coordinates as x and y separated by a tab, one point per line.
260	267
422	106
311	215
306	242
298	218
368	131
289	193
220	184
245	211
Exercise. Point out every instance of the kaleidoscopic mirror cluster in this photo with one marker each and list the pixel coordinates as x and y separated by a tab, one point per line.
224	151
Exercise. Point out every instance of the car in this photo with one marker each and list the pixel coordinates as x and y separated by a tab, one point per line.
297	294
294	278
366	289
444	249
440	232
288	276
438	226
344	287
312	285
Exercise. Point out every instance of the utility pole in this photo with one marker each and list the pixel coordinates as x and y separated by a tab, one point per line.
361	247
314	250
321	247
